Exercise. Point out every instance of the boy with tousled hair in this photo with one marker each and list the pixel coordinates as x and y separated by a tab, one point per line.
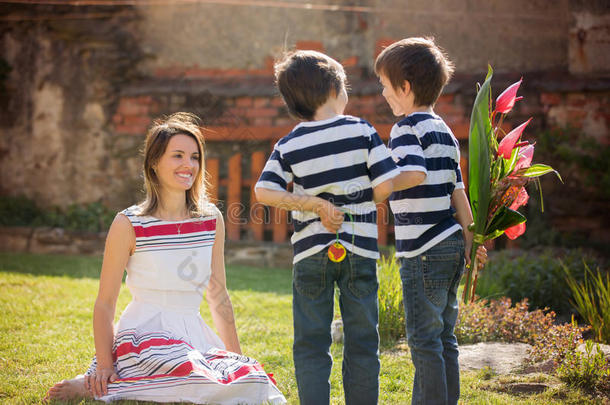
431	213
339	168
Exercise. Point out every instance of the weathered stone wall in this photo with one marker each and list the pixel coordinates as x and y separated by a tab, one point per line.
80	85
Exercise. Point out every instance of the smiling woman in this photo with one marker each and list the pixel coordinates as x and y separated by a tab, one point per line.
172	246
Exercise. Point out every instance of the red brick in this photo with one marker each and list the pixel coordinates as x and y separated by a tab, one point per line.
277	102
381	44
131	129
284	122
128	106
137	120
261	102
261	112
243	102
262	122
576	100
350	62
550	98
117	118
310	45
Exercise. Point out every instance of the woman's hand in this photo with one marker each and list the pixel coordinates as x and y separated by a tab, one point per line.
97	383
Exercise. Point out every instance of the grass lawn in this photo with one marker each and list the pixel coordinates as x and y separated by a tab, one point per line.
46	335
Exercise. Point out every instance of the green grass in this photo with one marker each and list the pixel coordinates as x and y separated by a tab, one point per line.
46	335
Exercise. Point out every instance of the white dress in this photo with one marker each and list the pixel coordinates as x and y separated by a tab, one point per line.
163	350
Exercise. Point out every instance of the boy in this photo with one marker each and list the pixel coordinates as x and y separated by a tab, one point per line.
339	168
431	213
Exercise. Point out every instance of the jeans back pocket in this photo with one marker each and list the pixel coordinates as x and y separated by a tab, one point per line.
309	275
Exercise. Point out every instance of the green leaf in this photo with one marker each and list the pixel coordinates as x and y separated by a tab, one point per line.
537	170
503	219
479	156
479	162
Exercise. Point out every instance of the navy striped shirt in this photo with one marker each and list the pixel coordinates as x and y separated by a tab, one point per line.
423	215
340	160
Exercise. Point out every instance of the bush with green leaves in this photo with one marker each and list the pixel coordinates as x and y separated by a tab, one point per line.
21	211
500	321
589	370
591	298
391	310
539	277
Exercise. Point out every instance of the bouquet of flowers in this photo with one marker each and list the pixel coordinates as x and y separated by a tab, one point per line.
498	173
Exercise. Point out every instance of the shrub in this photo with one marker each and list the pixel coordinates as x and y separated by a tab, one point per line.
591	299
539	278
391	310
497	320
21	211
588	370
557	342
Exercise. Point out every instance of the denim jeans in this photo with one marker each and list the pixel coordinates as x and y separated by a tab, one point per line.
430	282
313	286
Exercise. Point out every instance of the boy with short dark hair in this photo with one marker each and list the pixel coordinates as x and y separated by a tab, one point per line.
431	213
339	168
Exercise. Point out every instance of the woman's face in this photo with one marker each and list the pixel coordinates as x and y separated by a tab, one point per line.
179	164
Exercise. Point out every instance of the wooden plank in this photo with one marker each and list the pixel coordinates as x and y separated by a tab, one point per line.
234	205
464	168
257	211
212	170
382	223
263	133
280	224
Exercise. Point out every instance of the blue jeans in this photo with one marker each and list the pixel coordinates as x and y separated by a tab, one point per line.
313	287
430	282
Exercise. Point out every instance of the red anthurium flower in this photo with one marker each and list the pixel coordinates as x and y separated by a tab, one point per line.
515	231
506	100
507	144
521	199
525	157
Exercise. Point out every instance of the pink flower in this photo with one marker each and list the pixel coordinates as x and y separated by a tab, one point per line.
515	231
507	144
525	157
506	100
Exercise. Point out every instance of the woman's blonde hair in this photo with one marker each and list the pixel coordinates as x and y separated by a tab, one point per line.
157	139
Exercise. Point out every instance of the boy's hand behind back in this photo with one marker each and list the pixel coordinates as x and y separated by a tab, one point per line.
330	216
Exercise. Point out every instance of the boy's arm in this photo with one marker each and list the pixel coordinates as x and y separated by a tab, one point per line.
329	215
463	214
407	180
383	190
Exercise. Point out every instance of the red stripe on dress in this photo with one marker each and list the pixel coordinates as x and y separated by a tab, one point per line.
128	347
172	229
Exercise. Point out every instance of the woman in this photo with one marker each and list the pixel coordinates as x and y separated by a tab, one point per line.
172	246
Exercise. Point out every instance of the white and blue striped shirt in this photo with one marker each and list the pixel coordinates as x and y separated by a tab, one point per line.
340	160
423	215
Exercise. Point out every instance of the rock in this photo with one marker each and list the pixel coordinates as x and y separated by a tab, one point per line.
605	349
546	367
503	358
527	388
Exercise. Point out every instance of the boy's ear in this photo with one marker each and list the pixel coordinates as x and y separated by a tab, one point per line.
406	87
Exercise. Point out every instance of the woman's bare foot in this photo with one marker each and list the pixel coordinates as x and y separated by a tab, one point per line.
68	389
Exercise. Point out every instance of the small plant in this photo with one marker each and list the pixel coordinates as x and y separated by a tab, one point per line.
498	320
592	300
588	370
557	342
391	310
